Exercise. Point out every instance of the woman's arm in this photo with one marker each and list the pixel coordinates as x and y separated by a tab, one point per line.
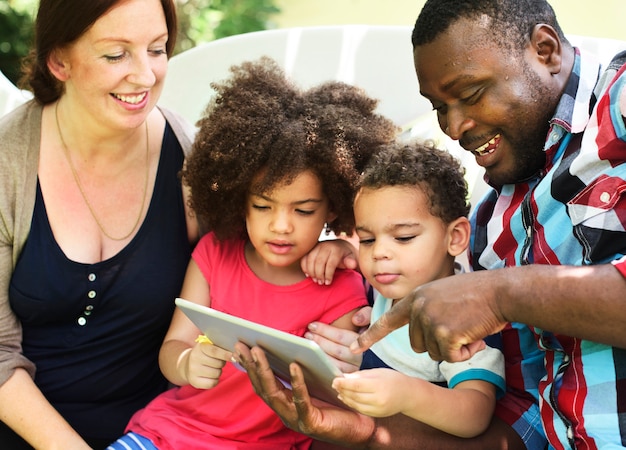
25	410
23	407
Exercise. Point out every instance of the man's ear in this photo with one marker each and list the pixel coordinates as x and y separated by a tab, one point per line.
58	65
548	47
458	236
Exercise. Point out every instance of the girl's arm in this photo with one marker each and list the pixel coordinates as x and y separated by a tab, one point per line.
463	411
345	322
181	359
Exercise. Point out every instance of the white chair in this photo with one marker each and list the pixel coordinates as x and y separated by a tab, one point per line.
376	58
603	48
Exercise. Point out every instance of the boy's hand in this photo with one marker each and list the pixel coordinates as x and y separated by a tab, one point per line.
374	392
321	262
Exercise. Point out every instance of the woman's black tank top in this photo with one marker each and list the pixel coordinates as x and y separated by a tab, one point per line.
94	330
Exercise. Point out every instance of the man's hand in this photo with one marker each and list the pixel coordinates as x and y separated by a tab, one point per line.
297	409
447	318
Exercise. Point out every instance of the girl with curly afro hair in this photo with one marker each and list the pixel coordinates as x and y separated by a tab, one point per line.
261	131
271	166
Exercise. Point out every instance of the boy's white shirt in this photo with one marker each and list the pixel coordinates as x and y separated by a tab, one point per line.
395	350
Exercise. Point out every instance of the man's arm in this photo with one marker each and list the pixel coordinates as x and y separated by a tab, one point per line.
350	429
584	302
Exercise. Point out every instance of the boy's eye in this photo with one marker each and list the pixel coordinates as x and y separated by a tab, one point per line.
405	238
367	241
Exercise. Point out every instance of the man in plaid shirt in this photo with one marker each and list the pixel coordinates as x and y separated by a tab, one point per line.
548	238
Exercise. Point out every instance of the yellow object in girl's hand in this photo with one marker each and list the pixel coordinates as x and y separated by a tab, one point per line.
202	339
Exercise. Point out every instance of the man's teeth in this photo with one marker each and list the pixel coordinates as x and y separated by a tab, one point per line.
132	99
487	147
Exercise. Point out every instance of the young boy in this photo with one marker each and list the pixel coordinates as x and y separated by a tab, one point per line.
411	219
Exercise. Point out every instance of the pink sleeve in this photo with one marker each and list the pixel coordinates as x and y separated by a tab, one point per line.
205	253
348	294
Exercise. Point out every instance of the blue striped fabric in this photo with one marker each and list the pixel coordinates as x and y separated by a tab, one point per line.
132	441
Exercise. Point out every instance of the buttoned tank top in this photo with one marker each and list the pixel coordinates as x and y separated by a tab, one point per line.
94	330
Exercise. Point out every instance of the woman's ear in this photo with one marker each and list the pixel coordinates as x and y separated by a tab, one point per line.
58	65
458	236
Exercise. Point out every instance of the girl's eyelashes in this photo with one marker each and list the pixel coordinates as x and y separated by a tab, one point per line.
440	109
303	212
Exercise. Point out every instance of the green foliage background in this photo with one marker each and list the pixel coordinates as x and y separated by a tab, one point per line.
16	31
199	21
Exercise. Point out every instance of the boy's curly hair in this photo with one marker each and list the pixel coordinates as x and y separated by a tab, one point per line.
260	122
436	172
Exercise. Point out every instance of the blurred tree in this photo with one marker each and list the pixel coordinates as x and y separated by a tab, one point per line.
207	20
16	34
199	21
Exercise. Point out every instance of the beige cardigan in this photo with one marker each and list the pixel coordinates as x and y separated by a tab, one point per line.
20	133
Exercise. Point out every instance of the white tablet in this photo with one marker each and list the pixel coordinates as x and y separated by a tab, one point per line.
281	348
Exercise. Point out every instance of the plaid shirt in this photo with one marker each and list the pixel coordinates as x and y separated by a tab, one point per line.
573	213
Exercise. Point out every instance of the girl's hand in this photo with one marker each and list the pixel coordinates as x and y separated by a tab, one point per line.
204	364
336	344
336	341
